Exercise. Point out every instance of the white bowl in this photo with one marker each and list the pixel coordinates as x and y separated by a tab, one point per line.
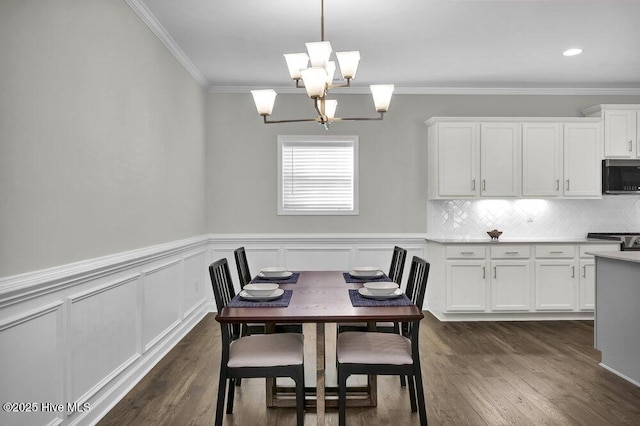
260	289
273	271
381	288
365	269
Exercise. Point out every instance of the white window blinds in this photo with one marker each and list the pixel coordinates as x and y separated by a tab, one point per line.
318	175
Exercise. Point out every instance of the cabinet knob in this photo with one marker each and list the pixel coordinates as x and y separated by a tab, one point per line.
630	146
484	185
557	184
473	185
567	184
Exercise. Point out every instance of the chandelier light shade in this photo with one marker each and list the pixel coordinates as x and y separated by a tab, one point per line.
314	71
348	62
264	100
381	96
295	63
315	81
319	53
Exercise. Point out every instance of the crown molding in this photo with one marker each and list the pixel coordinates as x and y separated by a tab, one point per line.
147	17
450	90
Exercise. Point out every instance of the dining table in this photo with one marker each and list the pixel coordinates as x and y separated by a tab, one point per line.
321	298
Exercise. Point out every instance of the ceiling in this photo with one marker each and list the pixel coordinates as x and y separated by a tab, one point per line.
414	44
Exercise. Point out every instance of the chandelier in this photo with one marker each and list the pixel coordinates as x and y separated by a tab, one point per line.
318	78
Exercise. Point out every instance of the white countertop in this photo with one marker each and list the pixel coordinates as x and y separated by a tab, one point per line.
627	256
520	241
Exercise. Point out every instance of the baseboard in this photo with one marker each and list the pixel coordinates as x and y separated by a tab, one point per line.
619	374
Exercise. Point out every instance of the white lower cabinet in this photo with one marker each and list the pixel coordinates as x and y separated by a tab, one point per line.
555	285
510	285
587	284
466	286
507	280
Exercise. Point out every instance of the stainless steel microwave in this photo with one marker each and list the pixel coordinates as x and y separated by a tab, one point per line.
621	176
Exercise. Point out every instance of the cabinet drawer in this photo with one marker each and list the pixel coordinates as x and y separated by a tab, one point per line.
510	252
591	248
466	252
556	251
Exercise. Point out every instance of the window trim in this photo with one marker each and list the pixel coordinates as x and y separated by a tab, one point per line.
318	139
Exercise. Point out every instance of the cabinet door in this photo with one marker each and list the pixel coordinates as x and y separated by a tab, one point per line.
555	285
500	159
510	286
620	133
458	147
541	159
582	160
587	284
466	286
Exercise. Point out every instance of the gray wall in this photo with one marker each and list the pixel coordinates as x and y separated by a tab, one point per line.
101	135
241	175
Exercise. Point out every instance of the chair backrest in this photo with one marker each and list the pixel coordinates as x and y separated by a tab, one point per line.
243	266
223	292
397	264
416	286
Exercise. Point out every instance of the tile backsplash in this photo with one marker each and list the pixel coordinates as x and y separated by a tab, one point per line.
527	218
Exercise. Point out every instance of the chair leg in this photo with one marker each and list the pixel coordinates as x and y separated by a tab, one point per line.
403	382
342	397
222	387
412	394
422	409
232	391
300	397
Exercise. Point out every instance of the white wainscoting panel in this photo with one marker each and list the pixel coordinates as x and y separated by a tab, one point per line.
31	365
196	282
104	329
318	258
87	332
160	312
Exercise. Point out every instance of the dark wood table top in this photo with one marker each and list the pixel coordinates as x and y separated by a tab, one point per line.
320	297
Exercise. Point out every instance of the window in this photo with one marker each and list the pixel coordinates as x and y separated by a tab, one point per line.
317	175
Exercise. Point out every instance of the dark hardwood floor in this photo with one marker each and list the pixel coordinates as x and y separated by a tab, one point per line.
475	373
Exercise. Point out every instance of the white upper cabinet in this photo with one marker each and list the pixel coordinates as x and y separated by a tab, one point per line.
620	133
457	155
499	159
582	160
621	129
509	158
542	159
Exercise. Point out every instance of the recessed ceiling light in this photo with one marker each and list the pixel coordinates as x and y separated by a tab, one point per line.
572	52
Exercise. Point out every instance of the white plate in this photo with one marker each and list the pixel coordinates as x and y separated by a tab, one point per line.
366	293
281	275
366	269
276	294
366	275
261	289
380	288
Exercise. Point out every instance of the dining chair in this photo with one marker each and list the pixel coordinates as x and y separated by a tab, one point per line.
263	355
395	274
245	278
377	353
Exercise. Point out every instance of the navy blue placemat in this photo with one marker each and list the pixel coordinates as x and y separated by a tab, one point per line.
359	302
281	302
291	280
353	280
